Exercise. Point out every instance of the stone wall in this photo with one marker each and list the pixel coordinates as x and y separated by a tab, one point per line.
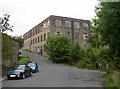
10	49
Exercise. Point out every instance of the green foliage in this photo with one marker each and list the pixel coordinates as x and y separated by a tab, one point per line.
20	40
96	40
7	47
112	79
90	56
75	53
4	25
107	22
24	60
58	49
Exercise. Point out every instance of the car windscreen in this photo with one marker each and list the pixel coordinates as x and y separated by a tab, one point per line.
20	68
31	65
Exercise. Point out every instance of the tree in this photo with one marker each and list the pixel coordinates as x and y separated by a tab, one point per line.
108	24
96	40
20	40
58	49
75	53
4	25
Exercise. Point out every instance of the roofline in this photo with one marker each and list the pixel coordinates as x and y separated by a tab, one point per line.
56	16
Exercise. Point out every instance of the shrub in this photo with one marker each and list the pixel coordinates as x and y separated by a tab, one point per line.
75	53
24	60
58	49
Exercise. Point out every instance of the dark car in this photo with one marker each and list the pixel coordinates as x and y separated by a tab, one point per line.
34	67
20	71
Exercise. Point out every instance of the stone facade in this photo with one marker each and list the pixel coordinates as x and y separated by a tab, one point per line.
75	29
10	50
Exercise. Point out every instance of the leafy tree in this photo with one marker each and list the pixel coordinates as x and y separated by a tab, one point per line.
7	47
96	40
20	40
4	24
75	53
107	23
58	49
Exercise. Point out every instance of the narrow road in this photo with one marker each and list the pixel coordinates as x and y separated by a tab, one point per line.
57	75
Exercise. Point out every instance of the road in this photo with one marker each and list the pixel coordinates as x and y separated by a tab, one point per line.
57	75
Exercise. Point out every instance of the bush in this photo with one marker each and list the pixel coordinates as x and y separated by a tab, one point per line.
22	56
7	47
58	49
75	53
24	60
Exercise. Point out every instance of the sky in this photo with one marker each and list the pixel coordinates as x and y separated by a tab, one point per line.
25	14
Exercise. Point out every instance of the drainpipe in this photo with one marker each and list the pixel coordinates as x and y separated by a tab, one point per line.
30	39
72	27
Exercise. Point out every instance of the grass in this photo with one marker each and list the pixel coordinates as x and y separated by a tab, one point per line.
112	79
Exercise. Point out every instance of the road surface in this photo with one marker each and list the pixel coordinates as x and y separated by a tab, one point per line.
57	75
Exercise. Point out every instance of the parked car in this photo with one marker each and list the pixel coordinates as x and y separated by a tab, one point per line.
20	71
34	67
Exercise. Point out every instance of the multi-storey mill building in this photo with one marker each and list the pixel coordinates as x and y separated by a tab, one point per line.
75	29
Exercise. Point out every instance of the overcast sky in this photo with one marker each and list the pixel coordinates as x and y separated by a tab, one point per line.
25	14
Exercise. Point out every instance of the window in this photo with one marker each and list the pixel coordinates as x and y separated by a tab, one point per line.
69	34
58	33
58	23
33	40
41	38
44	37
85	36
35	31
68	24
38	30
85	25
48	23
44	25
38	39
76	25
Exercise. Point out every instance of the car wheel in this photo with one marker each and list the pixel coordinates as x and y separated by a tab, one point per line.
30	73
37	70
8	78
23	76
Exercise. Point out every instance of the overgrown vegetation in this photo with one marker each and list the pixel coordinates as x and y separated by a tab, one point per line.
20	40
7	47
23	60
58	49
107	24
